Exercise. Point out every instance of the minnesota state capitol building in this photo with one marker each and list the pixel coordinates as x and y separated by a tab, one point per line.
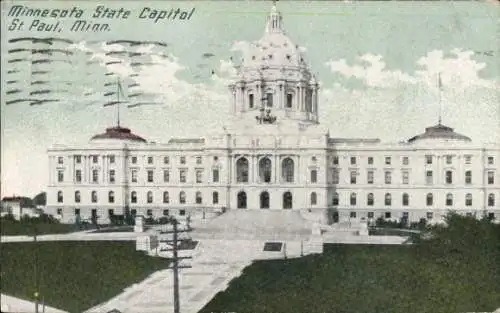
275	156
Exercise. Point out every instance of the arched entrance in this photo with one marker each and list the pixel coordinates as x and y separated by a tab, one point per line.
287	200
242	200
264	200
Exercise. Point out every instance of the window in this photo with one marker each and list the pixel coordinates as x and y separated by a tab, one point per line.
78	159
216	158
111	159
387	160
491	216
60	176
406	160
287	200
111	197
287	170
199	160
77	212
134	160
60	197
406	199
95	159
265	170
93	196
387	215
429	199
269	100
77	196
388	177
353	199
264	200
111	176
491	199
199	198
183	160
406	177
336	178
353	177
468	199
242	170
428	159
491	160
335	199
369	178
182	175
111	212
429	215
353	160
59	211
166	160
370	160
313	159
60	160
95	176
150	160
335	160
133	197
182	212
352	214
166	212
242	200
370	199
387	199
215	175
133	176
449	177
133	212
289	98
166	176
215	197
182	197
468	159
149	212
166	197
449	199
199	176
149	197
250	101
428	177
150	176
314	198
78	176
314	176
468	177
449	159
491	177
371	214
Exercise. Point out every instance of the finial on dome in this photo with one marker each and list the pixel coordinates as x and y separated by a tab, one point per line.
274	20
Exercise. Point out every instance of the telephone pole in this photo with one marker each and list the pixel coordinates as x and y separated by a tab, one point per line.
174	243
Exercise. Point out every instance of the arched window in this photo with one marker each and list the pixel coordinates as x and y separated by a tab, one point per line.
287	200
242	200
388	199
166	197
111	197
429	199
182	197
287	168
406	199
335	198
491	199
314	198
199	198
242	170
215	197
60	197
133	197
353	199
264	200
468	199
265	170
149	197
93	196
77	196
370	199
449	199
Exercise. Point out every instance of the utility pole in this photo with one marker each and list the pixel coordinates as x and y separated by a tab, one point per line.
174	243
36	267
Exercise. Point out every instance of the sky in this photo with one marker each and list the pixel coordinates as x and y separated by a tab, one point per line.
377	62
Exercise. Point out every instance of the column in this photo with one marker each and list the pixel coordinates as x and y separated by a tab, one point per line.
276	168
258	100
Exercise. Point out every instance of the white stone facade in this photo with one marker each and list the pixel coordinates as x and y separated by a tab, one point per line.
290	156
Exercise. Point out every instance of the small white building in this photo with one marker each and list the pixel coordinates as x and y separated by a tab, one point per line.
275	155
15	206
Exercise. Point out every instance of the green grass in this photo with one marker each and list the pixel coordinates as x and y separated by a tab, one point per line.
74	276
16	228
365	279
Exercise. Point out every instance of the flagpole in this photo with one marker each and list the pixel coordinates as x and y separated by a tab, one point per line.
439	94
118	97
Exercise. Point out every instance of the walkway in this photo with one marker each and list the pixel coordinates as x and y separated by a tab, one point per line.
11	304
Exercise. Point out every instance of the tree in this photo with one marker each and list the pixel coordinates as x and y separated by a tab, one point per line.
40	199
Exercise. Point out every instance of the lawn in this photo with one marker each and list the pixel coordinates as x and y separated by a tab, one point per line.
16	228
365	279
74	276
